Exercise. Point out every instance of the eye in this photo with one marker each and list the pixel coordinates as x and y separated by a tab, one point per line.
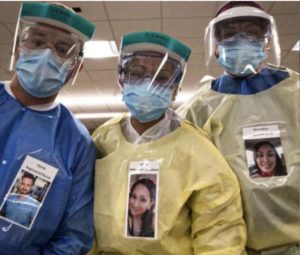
271	154
259	155
64	51
132	196
136	72
163	77
143	200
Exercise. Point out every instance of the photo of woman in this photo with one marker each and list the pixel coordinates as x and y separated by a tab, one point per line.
267	160
141	204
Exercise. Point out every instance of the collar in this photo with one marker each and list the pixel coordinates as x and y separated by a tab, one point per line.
39	107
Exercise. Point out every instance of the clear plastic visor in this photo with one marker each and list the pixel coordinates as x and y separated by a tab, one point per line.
158	70
254	31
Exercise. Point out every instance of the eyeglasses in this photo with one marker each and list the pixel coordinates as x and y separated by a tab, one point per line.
138	67
66	46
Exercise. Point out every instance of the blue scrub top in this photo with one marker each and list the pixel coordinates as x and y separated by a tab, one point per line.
20	209
253	84
64	222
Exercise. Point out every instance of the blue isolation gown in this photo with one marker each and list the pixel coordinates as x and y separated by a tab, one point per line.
64	222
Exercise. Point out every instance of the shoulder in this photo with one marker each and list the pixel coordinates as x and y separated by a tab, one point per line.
107	137
69	121
292	74
193	138
109	126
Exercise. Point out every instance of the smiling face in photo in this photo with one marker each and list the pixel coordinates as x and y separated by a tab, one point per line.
266	158
139	200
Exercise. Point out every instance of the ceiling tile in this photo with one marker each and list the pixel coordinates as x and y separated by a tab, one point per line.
93	10
290	57
5	50
106	81
6	36
287	42
9	11
188	9
133	10
186	28
103	31
196	45
123	27
83	77
288	24
101	64
285	7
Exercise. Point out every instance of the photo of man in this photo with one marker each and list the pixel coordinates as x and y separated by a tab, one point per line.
20	207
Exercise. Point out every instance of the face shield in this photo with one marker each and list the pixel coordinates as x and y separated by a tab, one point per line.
241	40
51	32
151	68
159	71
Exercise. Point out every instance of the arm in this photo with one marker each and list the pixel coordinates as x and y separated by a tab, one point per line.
217	224
74	235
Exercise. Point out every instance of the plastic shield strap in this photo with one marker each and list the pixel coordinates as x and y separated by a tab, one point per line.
12	57
271	42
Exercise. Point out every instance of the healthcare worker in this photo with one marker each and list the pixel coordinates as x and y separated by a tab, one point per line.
41	137
193	202
253	101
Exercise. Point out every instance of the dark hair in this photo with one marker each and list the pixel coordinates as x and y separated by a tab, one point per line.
147	217
29	176
279	168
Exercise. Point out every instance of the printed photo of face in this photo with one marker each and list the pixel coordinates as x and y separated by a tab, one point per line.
25	185
266	158
140	200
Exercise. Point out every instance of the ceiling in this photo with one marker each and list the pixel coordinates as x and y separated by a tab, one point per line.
96	90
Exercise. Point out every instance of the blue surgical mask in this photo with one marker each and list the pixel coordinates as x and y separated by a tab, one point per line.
241	57
146	103
40	73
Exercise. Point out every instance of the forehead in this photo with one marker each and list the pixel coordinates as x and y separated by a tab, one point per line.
49	33
142	189
265	147
26	180
46	28
262	23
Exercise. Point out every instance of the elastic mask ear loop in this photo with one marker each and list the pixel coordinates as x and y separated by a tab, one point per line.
12	58
5	229
158	70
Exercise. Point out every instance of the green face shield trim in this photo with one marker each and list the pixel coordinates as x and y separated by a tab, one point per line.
38	12
159	39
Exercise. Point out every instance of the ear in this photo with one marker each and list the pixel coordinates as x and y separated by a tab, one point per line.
216	52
